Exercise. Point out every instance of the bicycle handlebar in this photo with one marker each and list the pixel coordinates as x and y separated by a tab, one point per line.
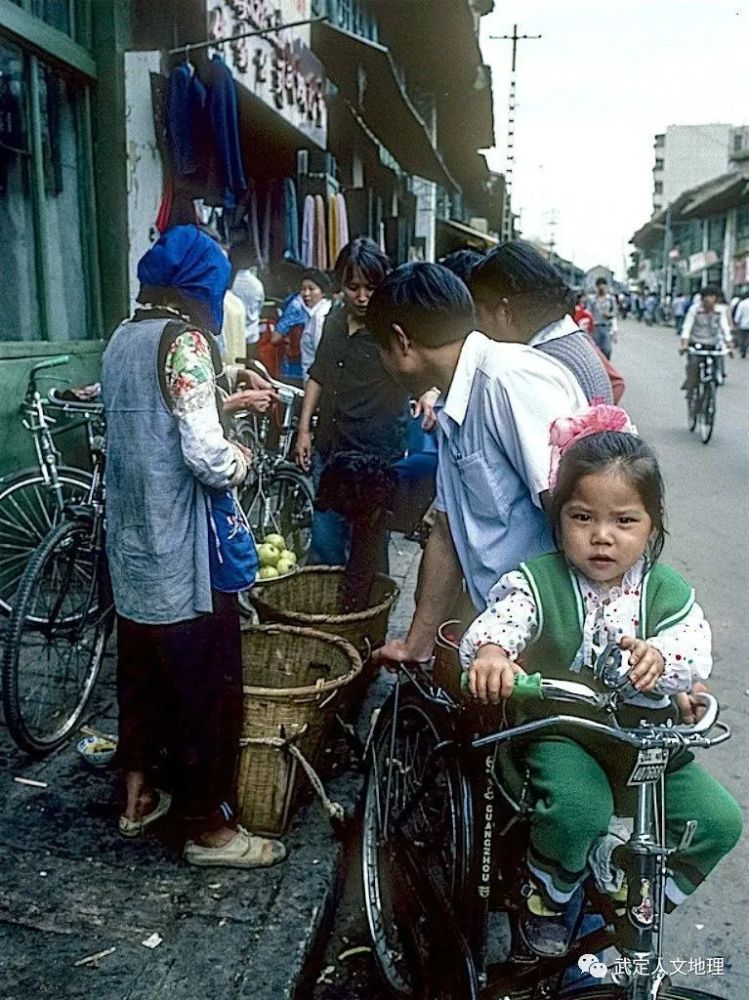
59	359
280	386
707	352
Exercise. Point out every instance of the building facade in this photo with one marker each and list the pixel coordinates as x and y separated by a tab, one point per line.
688	155
358	101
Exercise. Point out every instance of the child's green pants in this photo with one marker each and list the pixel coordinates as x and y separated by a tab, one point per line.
574	803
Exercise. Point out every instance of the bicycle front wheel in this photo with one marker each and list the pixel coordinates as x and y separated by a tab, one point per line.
707	412
623	993
56	639
434	816
693	407
282	504
29	508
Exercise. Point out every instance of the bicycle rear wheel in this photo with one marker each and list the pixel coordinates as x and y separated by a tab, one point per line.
28	510
707	412
56	639
414	951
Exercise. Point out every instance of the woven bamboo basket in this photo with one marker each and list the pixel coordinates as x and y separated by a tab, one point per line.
293	680
312	598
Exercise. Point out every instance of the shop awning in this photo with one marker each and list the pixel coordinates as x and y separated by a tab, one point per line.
463	235
365	74
718	195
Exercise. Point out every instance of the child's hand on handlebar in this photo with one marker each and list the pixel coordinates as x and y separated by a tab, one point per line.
492	675
646	661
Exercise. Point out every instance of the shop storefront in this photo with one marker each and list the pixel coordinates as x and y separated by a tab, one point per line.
52	300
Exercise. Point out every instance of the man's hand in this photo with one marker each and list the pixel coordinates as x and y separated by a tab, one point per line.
646	663
425	407
398	651
492	675
691	710
259	400
303	450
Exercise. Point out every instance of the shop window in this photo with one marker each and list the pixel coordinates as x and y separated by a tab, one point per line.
55	12
62	203
19	315
742	228
46	286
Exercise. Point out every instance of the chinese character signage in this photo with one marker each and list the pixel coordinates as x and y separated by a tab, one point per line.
279	68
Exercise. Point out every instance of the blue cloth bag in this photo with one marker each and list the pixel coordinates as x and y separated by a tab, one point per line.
232	552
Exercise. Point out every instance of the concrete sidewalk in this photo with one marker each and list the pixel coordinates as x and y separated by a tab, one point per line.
72	888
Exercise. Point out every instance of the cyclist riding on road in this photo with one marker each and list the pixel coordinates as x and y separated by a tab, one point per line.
707	325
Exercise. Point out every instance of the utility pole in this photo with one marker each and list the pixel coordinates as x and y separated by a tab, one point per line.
507	207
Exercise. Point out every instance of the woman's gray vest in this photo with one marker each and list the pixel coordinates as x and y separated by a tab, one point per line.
157	528
576	353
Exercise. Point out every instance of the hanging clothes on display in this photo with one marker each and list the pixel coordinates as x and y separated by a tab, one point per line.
185	106
321	242
343	228
223	114
290	213
333	248
308	232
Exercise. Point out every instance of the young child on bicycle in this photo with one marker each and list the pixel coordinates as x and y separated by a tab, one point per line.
555	614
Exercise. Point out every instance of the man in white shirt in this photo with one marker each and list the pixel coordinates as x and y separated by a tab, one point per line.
249	288
493	421
740	313
705	324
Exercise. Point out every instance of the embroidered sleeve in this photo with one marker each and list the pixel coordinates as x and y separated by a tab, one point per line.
687	651
510	620
189	376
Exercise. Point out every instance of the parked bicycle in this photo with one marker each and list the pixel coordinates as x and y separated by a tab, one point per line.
62	612
702	398
32	499
446	823
277	498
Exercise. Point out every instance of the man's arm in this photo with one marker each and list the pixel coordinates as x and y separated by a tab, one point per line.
440	585
686	329
303	448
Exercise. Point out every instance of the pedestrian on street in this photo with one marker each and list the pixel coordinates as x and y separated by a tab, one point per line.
493	439
521	298
681	305
249	288
602	305
361	408
179	550
582	316
316	291
741	321
607	509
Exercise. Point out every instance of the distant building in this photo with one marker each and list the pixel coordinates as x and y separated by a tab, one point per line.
689	155
592	276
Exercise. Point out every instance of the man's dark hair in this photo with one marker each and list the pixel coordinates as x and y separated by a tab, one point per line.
534	289
431	304
601	281
462	262
363	255
711	290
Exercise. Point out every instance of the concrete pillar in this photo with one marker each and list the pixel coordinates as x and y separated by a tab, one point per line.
729	249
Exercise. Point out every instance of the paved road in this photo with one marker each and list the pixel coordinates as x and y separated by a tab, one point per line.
708	511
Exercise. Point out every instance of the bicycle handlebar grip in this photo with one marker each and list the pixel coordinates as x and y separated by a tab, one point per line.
528	686
59	359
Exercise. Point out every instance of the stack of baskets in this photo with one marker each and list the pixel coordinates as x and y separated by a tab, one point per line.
302	665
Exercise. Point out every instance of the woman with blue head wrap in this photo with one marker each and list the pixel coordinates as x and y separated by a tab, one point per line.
178	552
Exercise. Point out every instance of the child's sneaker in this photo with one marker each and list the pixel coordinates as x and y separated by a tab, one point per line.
543	927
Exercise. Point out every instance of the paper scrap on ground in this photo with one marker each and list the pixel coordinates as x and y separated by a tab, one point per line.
90	959
152	941
32	782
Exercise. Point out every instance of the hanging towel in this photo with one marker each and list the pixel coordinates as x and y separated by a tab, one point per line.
333	247
343	233
164	215
308	232
224	116
290	212
321	242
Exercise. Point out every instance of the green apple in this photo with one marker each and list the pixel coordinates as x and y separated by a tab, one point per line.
289	556
267	573
284	566
277	541
268	555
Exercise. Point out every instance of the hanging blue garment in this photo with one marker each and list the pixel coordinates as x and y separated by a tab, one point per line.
185	104
290	210
224	117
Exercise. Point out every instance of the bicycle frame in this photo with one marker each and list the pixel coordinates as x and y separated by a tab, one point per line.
644	858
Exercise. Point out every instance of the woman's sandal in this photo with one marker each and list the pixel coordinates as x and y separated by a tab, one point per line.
244	851
132	828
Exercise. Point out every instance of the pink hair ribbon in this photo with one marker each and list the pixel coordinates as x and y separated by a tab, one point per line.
567	431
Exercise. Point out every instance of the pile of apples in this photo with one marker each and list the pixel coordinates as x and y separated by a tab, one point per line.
275	558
